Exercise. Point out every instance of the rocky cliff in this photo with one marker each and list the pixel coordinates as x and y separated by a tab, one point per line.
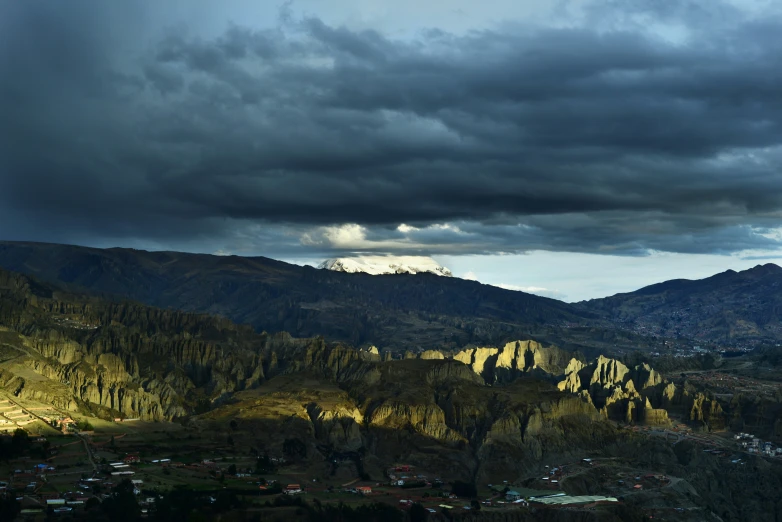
436	413
127	359
634	395
639	394
503	365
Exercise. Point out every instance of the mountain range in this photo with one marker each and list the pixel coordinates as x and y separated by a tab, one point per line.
405	311
76	341
400	311
730	308
330	411
381	265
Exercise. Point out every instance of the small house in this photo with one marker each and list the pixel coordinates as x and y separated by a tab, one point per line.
364	490
292	489
512	495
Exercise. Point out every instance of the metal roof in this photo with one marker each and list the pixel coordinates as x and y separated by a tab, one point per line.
566	499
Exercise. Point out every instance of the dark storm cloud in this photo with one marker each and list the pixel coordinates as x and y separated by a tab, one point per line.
589	138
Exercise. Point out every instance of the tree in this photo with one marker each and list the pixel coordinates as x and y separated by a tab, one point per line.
264	465
121	506
232	469
197	516
20	441
9	508
418	513
464	489
225	500
294	448
475	505
176	505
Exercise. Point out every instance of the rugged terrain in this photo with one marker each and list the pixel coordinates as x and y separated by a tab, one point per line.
128	359
477	414
415	311
401	311
731	308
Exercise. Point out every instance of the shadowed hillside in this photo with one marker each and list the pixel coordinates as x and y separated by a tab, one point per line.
738	308
398	311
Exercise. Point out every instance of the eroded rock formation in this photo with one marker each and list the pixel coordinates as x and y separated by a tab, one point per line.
503	365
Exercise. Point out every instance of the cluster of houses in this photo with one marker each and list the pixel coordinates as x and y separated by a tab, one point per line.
402	475
66	424
361	490
515	497
404	468
752	444
36	496
410	480
122	467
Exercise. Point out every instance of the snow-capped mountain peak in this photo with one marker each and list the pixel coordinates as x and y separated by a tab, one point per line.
377	265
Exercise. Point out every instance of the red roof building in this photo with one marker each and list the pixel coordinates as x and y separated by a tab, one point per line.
292	489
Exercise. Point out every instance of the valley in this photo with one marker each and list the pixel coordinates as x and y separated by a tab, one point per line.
363	261
196	407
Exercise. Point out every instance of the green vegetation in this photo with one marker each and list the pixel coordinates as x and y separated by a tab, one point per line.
9	508
264	465
318	512
121	506
464	489
14	446
294	448
418	513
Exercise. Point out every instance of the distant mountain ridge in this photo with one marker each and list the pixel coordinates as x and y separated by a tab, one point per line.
400	311
412	311
382	265
735	308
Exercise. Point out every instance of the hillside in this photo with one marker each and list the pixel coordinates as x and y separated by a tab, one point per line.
400	311
108	359
309	408
733	308
111	359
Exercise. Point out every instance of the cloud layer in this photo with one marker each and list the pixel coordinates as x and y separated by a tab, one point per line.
625	128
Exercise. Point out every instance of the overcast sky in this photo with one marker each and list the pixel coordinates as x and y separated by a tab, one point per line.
573	148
